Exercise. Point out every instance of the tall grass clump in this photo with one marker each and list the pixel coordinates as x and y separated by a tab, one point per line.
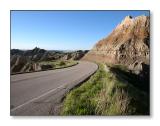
104	94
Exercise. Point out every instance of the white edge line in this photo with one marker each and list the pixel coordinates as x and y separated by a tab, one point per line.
35	98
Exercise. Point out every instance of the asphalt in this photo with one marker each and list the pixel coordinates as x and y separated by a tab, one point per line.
42	93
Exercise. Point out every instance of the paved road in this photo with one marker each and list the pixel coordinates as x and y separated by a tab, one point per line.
41	93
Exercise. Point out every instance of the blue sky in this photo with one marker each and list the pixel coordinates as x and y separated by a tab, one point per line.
64	30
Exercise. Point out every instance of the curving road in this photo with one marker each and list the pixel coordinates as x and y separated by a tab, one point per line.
41	93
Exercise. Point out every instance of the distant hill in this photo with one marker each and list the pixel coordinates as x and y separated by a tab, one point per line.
25	60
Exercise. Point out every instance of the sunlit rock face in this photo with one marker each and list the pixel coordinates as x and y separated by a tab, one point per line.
128	44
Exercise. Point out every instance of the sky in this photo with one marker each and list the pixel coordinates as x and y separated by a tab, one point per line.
64	30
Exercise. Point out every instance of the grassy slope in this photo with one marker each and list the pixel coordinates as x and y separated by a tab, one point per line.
59	63
104	94
55	64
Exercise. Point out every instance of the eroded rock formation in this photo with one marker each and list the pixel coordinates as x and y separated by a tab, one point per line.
128	44
28	60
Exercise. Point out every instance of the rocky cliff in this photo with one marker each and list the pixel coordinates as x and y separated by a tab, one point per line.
128	44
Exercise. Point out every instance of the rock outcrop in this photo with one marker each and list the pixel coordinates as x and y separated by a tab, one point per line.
76	55
28	60
128	44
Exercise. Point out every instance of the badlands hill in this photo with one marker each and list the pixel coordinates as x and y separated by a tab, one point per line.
128	44
26	60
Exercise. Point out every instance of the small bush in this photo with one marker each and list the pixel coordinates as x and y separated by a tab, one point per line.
62	63
46	67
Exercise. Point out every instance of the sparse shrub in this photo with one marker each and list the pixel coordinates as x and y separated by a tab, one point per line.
62	63
46	67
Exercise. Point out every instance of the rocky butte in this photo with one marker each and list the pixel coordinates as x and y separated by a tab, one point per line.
128	44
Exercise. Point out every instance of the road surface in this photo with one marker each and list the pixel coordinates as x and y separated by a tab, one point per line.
41	93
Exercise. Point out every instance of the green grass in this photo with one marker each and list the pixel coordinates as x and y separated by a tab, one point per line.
59	63
118	66
104	94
